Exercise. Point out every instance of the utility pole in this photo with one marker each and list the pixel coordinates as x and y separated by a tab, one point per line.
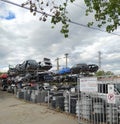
58	63
66	56
99	59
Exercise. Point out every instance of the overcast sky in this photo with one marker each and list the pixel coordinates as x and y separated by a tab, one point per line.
23	36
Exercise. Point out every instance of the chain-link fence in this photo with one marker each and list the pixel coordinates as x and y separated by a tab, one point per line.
95	105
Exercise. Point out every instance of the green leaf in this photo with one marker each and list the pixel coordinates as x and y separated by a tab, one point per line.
66	35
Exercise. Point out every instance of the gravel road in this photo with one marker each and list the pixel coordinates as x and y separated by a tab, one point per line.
15	111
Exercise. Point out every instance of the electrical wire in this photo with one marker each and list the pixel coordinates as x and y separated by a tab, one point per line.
76	23
82	25
15	4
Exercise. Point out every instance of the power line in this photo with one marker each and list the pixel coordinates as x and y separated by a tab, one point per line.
15	4
82	25
76	23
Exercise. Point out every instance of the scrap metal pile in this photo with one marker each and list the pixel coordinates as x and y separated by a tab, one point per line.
39	72
31	66
26	72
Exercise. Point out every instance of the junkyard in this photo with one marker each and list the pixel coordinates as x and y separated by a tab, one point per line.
76	96
59	62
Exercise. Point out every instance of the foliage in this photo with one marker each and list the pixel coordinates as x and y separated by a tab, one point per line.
103	73
106	12
100	73
109	73
1	73
51	8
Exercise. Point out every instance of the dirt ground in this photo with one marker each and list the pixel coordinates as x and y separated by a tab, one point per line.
15	111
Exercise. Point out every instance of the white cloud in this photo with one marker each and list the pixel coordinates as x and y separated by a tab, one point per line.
25	37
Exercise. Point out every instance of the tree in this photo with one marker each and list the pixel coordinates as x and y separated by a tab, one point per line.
106	12
109	73
100	73
50	8
103	73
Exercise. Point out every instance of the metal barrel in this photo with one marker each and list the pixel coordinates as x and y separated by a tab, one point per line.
66	104
73	102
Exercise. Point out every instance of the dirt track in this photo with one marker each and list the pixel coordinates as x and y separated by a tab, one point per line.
15	111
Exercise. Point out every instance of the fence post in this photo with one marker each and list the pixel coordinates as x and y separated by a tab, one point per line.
78	91
48	99
110	113
69	102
